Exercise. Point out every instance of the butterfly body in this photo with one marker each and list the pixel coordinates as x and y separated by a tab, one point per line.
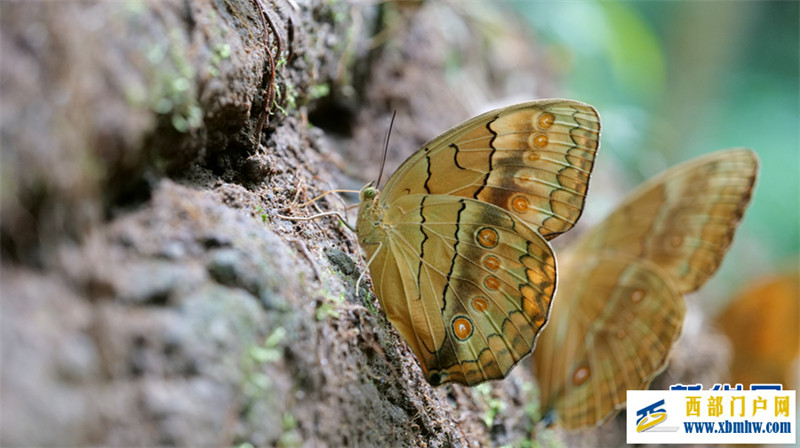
457	240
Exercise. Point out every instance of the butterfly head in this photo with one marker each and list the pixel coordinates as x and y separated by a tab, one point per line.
370	216
368	193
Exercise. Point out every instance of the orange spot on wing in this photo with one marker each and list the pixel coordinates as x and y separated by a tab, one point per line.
491	262
462	328
492	283
480	304
487	237
519	203
546	120
580	375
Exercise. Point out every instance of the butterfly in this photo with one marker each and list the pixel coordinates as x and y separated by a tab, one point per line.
769	351
457	241
620	302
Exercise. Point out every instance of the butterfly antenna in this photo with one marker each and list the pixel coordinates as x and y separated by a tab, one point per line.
385	149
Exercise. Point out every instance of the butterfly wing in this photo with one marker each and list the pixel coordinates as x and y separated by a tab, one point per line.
533	159
611	329
684	219
467	284
670	236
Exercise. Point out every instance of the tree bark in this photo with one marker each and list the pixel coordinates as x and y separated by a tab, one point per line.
151	294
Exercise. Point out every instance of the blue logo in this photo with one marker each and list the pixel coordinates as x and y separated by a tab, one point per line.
650	416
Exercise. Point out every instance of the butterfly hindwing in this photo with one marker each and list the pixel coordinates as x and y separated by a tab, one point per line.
467	284
533	159
611	329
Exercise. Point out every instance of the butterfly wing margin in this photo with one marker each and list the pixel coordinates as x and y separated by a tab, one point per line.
533	159
593	350
684	219
467	284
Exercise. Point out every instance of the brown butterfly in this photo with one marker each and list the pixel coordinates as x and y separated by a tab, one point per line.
769	351
620	301
457	240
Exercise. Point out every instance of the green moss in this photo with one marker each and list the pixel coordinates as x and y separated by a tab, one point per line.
326	309
533	402
255	382
291	97
493	405
219	53
319	91
544	436
275	100
280	63
223	51
275	337
330	303
260	212
269	351
290	437
173	89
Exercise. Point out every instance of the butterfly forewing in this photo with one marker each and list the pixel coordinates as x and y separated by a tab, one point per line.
533	159
467	284
684	219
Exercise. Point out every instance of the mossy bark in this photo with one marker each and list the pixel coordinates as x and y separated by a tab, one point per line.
151	294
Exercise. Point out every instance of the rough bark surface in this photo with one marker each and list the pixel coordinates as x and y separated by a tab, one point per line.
151	294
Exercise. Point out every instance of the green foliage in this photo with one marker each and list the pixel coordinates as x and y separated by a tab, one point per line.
674	80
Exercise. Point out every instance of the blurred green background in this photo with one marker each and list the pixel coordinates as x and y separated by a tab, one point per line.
676	79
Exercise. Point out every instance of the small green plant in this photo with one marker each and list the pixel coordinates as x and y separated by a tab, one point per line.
220	52
269	351
260	211
493	405
275	100
290	437
255	380
319	91
328	307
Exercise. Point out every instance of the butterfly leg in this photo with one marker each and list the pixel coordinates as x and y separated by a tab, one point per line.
318	215
366	268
